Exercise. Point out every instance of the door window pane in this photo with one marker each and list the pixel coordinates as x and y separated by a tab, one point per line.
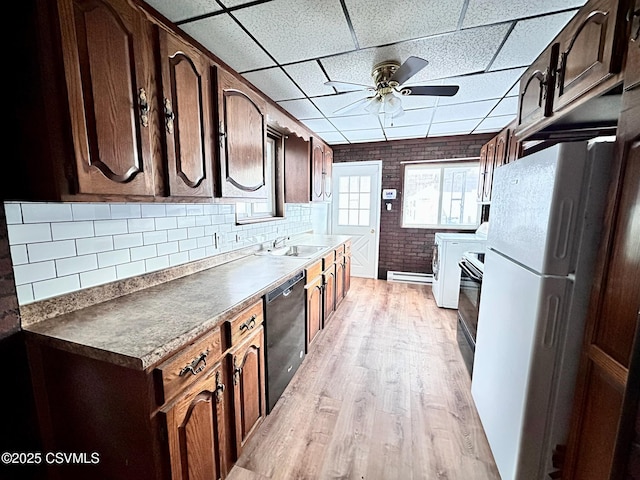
354	201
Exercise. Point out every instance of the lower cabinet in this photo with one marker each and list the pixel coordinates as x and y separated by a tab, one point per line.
249	402
314	308
195	426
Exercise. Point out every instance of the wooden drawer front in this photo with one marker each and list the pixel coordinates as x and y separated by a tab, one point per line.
246	323
328	259
347	248
339	252
187	366
314	271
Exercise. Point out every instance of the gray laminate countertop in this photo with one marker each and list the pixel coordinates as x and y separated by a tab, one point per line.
140	329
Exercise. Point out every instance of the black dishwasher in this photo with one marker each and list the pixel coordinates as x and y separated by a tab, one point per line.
285	335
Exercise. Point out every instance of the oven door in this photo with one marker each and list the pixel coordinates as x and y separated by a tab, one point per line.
468	308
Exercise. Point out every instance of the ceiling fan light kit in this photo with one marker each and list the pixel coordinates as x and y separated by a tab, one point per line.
388	78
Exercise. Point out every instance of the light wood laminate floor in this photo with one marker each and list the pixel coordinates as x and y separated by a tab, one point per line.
383	394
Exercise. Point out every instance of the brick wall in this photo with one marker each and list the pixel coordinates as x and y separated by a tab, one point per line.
406	249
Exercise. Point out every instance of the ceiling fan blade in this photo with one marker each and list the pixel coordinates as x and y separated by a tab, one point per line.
350	86
353	106
408	69
436	90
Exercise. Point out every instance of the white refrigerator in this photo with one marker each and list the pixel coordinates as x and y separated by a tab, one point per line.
546	218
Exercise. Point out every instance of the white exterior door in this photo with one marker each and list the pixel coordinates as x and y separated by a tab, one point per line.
356	212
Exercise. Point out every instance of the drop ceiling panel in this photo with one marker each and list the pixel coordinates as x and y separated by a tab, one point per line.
333	138
482	86
330	103
381	23
493	124
528	39
177	11
357	136
451	113
309	77
223	37
421	116
462	127
506	106
355	122
275	83
320	125
313	29
301	109
414	131
451	54
483	12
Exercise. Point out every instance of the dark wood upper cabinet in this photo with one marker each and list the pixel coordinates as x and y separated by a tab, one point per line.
297	172
537	87
321	168
187	117
108	66
243	136
591	50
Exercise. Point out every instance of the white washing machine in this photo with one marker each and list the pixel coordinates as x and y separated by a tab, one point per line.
447	252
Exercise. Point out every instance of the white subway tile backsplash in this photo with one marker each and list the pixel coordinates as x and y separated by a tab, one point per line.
19	254
91	211
115	257
140	253
46	212
24	293
176	210
154	237
156	263
167	248
125	210
98	277
94	245
127	241
82	263
34	272
141	225
39	252
69	230
153	210
55	287
110	227
79	245
37	232
132	269
166	223
13	212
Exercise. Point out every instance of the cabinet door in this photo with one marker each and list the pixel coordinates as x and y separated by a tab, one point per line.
515	147
187	114
314	309
483	170
339	280
243	137
195	430
347	272
590	50
535	100
109	70
317	172
327	173
248	387
632	68
502	148
329	290
297	172
490	164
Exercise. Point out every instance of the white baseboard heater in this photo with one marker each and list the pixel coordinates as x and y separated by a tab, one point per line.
410	277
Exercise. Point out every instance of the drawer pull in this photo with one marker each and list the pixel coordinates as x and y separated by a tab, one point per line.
237	371
249	324
196	366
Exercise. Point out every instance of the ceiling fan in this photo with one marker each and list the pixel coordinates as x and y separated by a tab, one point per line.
386	95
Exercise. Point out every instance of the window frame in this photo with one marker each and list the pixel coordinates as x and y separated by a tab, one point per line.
441	164
275	178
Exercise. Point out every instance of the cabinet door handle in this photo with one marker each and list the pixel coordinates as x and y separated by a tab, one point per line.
143	105
249	324
219	388
196	366
169	116
237	371
631	18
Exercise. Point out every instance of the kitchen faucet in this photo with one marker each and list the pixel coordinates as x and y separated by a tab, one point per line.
279	241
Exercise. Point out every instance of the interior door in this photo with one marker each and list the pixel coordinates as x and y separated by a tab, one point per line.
356	212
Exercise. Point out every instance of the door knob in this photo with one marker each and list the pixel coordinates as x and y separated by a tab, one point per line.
373	230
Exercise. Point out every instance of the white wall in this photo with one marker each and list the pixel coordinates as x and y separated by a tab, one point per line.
58	248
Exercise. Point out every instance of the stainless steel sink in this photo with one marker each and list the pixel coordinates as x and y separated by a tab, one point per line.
303	251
